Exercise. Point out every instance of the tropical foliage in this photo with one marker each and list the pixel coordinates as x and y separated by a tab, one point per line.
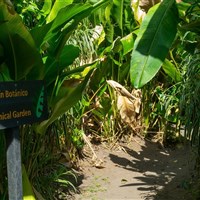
43	54
109	70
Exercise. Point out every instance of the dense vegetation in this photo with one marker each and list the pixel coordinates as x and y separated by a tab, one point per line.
88	52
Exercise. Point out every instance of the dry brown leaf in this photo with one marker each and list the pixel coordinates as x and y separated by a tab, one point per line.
120	89
137	103
126	109
128	104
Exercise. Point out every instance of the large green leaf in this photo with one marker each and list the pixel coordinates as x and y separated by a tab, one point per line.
68	19
54	67
55	33
65	23
20	53
27	60
13	23
57	6
118	12
155	37
68	14
39	34
66	98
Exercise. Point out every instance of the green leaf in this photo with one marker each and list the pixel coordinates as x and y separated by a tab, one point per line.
47	7
4	73
79	70
155	37
65	100
28	62
11	22
67	20
28	193
100	4
171	71
39	34
127	43
64	24
54	34
22	59
69	13
54	67
59	29
118	12
109	28
57	6
109	33
21	55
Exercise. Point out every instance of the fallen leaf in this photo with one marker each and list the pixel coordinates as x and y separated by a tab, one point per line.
126	109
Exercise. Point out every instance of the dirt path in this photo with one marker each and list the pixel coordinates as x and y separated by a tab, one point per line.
139	170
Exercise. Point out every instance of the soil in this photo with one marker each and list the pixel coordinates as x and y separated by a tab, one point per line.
137	170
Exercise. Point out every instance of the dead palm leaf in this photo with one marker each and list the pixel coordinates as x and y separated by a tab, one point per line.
129	105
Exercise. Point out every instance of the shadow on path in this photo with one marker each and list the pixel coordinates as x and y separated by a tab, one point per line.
165	173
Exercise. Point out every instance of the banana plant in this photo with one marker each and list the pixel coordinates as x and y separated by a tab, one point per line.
17	61
118	38
154	40
42	53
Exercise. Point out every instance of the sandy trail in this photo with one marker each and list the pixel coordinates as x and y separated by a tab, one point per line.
139	170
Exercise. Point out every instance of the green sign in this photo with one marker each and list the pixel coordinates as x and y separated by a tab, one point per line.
22	102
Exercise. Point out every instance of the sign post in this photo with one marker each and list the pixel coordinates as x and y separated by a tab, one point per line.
22	102
13	155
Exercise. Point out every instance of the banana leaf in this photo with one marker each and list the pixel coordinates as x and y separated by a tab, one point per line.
20	54
57	6
118	12
66	98
155	37
54	67
66	22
